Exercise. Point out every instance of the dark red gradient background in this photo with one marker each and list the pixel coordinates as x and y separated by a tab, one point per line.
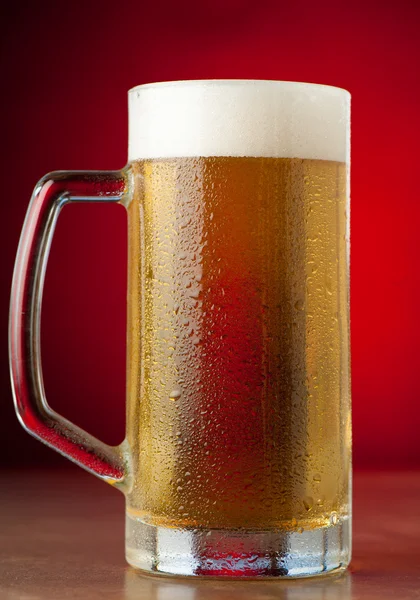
65	71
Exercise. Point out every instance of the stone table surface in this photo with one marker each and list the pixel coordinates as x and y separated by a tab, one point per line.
62	536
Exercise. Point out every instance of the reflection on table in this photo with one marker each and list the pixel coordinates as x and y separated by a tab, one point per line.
139	587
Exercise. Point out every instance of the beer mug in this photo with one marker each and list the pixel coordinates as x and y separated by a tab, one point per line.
237	456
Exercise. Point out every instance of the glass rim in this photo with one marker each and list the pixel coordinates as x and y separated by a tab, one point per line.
251	82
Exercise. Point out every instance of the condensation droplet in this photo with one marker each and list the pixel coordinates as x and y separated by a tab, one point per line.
308	503
333	518
299	305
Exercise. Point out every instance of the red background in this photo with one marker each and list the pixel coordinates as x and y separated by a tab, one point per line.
66	68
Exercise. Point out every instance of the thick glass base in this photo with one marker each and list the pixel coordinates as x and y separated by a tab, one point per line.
237	553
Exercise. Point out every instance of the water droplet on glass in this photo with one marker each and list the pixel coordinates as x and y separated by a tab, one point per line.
308	503
299	305
333	518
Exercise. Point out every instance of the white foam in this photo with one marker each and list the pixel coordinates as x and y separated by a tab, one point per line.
239	118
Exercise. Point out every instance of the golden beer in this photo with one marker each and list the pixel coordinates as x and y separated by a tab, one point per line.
237	456
238	343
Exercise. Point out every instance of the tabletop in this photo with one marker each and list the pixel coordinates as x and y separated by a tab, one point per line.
62	536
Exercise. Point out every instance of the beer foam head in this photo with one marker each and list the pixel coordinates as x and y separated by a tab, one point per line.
239	118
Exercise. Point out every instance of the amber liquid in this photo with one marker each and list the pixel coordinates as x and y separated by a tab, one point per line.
238	343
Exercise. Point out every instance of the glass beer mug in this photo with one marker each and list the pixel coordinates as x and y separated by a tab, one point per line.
237	457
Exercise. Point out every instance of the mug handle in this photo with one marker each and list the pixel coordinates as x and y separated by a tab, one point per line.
54	191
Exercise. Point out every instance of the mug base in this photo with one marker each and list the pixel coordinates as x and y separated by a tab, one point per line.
238	553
